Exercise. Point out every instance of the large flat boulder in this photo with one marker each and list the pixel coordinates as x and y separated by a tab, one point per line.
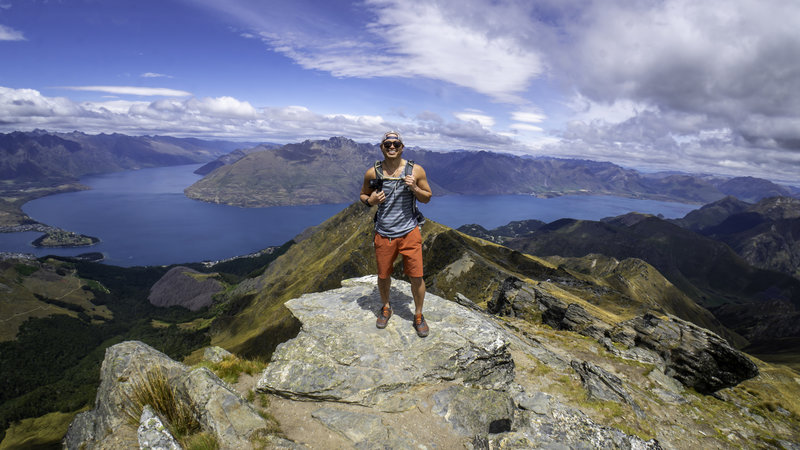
339	354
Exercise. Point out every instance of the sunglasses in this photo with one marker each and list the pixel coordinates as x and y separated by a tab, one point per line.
392	144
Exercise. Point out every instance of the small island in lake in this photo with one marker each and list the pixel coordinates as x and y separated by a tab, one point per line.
62	238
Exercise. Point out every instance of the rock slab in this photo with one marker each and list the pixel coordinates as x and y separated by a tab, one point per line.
696	357
339	354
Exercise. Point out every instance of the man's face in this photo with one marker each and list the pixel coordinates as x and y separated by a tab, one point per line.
392	148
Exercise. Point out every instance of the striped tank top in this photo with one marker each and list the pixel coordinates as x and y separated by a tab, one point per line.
395	217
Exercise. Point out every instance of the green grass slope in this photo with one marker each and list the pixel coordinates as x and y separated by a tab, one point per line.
254	321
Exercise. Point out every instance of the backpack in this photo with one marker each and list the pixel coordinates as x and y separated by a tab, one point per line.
408	171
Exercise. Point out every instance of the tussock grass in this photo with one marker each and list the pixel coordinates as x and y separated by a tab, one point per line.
201	441
153	388
230	368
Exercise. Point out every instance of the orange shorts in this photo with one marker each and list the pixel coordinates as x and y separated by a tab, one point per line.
410	246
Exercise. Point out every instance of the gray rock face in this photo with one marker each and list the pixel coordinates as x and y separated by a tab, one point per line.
215	354
565	428
604	385
694	356
222	411
153	434
578	319
106	426
340	355
517	299
514	298
474	411
365	430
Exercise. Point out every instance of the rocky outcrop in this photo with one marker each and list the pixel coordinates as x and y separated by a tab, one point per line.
516	299
696	357
186	287
216	354
603	385
543	422
477	381
340	355
222	412
462	373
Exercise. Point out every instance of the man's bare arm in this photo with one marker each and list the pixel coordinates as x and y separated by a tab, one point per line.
418	183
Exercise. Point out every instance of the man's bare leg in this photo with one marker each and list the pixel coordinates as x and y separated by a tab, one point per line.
418	291
384	286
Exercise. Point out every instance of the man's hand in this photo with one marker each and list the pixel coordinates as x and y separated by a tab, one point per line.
377	197
411	182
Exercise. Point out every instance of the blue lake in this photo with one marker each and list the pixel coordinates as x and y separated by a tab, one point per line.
143	218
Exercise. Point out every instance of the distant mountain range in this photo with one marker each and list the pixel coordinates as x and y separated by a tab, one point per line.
232	157
330	171
41	156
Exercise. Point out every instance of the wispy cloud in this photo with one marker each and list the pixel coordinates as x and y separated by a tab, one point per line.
408	39
528	116
154	75
10	34
476	116
132	90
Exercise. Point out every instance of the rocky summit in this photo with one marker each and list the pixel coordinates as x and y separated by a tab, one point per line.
461	376
478	381
340	354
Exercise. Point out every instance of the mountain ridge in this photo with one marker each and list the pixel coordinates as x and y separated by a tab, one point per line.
314	172
766	234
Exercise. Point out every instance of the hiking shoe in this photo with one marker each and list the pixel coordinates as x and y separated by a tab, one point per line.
420	325
383	316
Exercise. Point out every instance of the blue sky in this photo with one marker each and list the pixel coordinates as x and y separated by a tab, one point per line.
711	86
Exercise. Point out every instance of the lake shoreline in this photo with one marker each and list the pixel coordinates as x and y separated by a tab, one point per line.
143	218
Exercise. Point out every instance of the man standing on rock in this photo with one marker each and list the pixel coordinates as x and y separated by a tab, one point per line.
395	184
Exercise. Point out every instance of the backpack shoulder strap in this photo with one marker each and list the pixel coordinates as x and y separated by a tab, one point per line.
409	167
378	169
